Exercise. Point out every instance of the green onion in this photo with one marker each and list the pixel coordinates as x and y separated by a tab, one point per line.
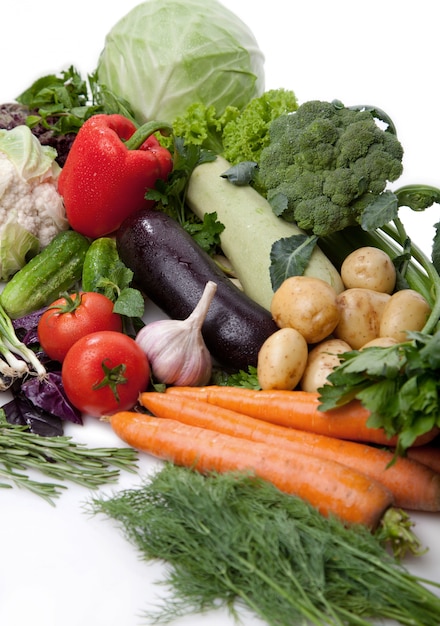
11	347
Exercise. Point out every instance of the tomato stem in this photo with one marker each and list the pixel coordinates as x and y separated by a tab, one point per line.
113	376
70	304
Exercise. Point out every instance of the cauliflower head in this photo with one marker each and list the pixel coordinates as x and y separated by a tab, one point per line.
326	163
31	209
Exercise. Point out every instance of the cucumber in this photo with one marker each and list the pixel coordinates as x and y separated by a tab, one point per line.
47	275
172	271
251	228
100	260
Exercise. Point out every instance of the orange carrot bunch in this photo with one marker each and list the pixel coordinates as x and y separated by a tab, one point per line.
413	485
354	481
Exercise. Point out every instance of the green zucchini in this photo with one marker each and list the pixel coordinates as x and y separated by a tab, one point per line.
99	263
47	275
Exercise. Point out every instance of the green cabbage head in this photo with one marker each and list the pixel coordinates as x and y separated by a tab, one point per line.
164	55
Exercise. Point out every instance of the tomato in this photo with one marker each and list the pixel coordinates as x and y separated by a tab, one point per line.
104	372
71	317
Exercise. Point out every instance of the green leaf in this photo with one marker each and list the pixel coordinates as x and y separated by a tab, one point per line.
428	349
375	361
242	378
171	193
241	174
290	256
381	399
18	245
130	303
206	233
436	247
63	102
379	212
278	201
121	275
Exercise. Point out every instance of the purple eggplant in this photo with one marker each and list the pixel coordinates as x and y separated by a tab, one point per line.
172	270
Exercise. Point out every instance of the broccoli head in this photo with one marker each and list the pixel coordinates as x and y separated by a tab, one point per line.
325	163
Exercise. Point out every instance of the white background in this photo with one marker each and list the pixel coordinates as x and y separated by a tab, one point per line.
58	566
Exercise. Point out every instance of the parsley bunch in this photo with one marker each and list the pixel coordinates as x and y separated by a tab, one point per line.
399	385
63	102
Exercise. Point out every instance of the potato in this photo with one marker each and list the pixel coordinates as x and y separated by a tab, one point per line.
369	268
406	310
322	360
360	313
307	304
380	342
282	359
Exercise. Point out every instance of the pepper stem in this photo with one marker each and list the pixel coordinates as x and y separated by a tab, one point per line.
144	131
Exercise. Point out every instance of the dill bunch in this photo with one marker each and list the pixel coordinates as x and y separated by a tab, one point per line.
236	540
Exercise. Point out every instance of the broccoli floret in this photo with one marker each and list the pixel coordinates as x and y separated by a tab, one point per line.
325	163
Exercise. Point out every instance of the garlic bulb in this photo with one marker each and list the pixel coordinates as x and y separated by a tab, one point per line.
176	349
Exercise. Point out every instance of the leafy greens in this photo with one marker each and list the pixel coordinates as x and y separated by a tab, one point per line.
399	385
234	540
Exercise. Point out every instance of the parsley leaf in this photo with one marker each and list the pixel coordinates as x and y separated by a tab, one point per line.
242	378
206	233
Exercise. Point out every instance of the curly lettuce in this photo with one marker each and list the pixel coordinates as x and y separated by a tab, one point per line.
237	135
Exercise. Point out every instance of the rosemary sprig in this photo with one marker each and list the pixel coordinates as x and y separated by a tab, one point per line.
59	458
232	539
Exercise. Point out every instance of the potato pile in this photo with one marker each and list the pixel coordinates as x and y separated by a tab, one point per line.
316	324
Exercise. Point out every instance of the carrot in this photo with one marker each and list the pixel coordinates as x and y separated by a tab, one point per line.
414	486
427	455
297	409
331	487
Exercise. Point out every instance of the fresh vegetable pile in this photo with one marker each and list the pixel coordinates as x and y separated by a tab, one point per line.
296	372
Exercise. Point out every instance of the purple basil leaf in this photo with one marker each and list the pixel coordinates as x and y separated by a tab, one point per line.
20	411
28	322
49	395
26	327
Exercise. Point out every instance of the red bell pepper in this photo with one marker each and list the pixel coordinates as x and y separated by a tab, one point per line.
110	167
